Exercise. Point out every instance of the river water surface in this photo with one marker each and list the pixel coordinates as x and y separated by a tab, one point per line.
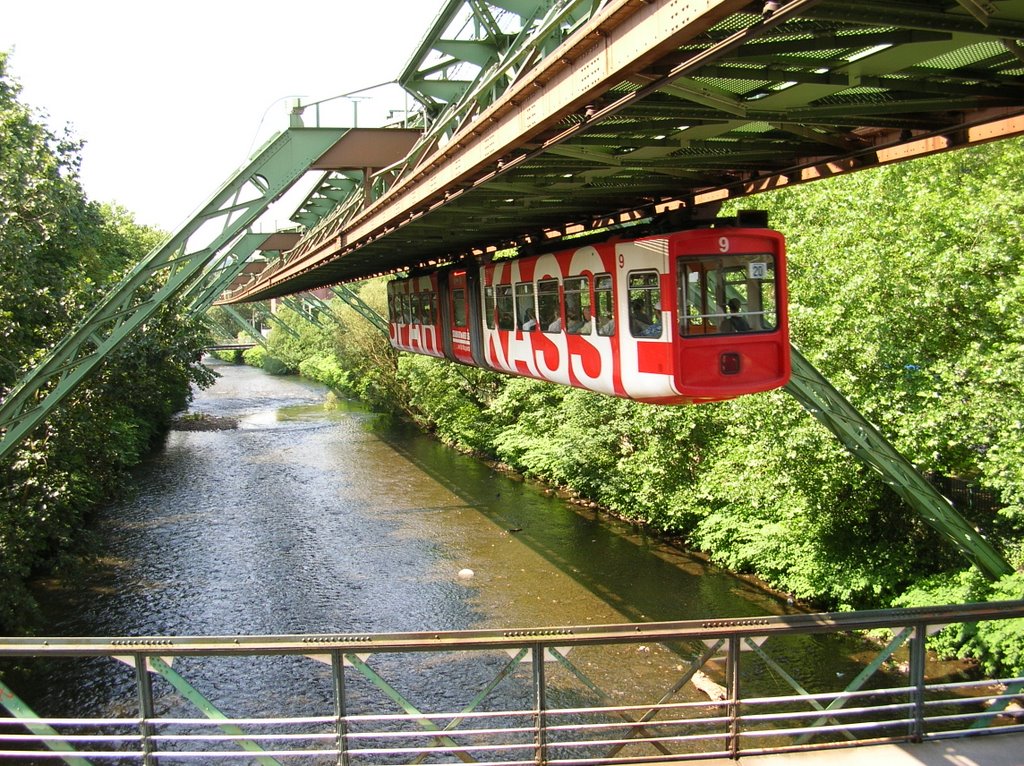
313	520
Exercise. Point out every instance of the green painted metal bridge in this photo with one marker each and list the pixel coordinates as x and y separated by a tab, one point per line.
538	119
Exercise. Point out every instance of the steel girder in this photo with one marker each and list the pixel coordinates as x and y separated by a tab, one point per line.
173	266
821	399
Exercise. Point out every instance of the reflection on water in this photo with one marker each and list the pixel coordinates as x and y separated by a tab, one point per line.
307	520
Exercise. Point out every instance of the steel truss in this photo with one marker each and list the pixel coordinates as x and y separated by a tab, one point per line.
173	267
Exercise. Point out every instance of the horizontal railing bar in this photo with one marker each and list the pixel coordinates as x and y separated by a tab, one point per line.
856	726
839	745
618	759
435	734
971	716
955	701
637	740
837	713
71	737
91	754
960	733
831	696
441	749
246	737
954	685
490	639
651	724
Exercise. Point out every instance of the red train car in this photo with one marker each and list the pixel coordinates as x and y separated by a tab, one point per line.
692	316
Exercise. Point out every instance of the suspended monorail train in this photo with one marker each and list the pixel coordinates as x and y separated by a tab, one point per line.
680	318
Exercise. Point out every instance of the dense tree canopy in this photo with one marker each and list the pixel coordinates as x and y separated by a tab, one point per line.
58	254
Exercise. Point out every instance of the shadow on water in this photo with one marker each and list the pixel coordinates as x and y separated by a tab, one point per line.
641	576
304	520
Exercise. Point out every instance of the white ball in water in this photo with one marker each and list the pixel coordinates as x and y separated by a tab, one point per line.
466	574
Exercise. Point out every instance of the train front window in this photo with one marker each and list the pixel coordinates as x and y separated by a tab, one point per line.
727	294
645	304
604	304
459	307
577	306
549	309
506	313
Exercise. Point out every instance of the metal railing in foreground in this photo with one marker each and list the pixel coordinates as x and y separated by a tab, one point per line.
650	692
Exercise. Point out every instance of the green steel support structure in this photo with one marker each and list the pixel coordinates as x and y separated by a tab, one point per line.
862	439
245	325
361	307
175	264
220	275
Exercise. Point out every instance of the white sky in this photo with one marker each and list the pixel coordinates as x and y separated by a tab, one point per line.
171	97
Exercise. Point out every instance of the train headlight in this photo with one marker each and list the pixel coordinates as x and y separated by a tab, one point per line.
729	363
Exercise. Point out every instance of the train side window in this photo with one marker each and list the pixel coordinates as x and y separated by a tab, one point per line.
727	294
417	308
577	306
392	307
430	307
489	306
604	304
406	308
645	304
506	312
526	307
459	307
549	308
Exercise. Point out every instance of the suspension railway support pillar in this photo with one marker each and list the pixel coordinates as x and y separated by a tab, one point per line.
864	441
174	266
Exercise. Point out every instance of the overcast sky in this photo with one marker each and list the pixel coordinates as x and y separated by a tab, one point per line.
171	97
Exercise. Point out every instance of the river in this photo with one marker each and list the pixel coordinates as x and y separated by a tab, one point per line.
306	519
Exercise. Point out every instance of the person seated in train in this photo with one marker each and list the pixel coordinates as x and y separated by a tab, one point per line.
529	320
652	328
638	319
555	325
734	322
579	322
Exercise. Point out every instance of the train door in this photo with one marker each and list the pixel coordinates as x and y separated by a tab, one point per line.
460	316
645	307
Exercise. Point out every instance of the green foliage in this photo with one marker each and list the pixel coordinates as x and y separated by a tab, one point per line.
58	254
997	645
905	288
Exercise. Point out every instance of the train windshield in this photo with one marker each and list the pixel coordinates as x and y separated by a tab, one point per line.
727	294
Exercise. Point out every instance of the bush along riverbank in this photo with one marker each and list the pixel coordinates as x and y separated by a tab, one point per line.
905	287
59	253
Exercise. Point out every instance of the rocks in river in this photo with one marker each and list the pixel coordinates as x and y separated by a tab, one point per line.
200	421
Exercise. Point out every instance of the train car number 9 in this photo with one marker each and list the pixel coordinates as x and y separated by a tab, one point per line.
723	244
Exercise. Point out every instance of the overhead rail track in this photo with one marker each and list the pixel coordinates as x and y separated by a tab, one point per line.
648	107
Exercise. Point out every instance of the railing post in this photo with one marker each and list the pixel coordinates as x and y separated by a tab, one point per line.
338	675
732	682
145	689
539	705
917	663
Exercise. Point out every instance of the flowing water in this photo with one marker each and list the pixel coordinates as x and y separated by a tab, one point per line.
313	520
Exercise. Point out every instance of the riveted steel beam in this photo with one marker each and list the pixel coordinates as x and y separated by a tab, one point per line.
174	265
